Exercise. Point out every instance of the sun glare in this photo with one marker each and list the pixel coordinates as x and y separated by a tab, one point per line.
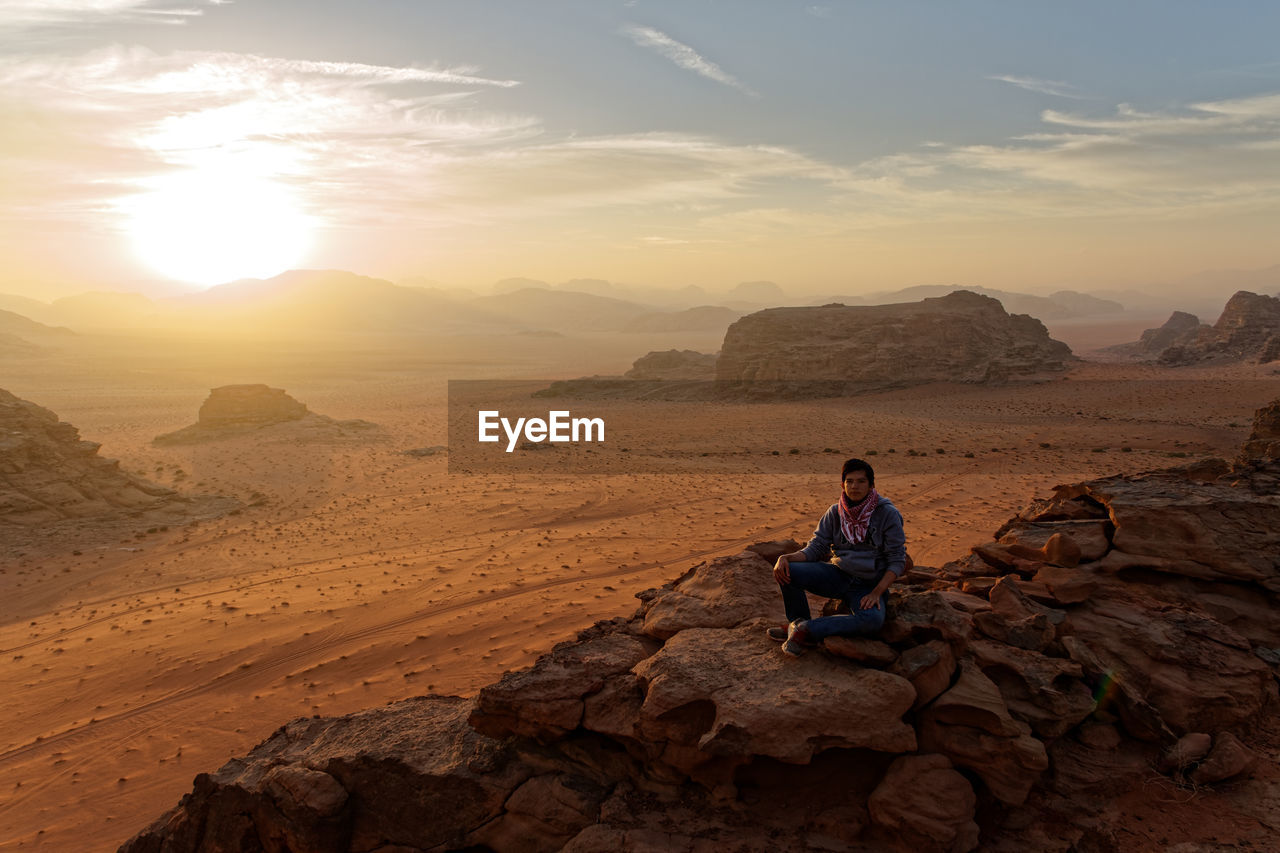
208	227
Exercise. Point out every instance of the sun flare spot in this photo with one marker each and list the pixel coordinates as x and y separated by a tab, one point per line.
209	226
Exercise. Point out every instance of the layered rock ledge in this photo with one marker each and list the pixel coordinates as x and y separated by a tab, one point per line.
1117	631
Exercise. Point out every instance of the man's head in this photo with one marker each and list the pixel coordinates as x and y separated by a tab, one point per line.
857	479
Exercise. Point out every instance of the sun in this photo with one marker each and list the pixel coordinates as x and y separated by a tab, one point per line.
209	226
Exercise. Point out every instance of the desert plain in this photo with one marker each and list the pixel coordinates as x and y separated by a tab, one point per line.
353	574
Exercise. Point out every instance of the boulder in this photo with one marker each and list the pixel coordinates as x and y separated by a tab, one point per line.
926	804
918	617
1017	620
1189	750
732	694
1227	759
971	725
1047	693
720	594
864	650
546	701
929	669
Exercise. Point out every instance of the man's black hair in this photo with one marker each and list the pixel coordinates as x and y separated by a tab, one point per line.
859	465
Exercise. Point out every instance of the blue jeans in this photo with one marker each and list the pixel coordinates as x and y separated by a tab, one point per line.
826	580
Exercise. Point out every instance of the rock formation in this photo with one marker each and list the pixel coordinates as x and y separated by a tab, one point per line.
837	349
1264	441
48	475
1179	330
674	364
238	409
1008	701
1249	329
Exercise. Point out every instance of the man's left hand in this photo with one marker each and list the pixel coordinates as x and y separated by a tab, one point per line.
869	601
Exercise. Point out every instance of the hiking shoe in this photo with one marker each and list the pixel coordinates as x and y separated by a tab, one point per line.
797	639
778	633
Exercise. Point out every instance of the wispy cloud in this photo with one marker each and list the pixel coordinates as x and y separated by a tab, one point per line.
403	147
20	14
128	116
1043	87
1209	156
682	55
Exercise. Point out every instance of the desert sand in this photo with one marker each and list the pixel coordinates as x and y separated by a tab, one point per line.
355	574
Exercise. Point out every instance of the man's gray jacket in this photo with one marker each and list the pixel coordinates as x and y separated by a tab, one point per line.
885	545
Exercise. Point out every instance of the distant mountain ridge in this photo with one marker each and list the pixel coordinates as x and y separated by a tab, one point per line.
339	301
1056	306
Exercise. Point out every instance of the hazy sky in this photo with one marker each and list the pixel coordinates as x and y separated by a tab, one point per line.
831	147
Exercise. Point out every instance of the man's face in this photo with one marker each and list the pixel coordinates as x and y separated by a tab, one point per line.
856	486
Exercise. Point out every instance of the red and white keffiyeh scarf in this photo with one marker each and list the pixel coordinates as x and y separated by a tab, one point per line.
854	518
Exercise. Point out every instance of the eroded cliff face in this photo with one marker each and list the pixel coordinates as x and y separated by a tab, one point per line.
836	349
1119	631
48	473
1249	329
55	487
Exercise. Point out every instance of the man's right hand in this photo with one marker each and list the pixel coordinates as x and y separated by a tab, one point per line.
782	569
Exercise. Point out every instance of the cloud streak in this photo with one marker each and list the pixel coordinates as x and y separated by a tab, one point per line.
683	56
1044	87
22	14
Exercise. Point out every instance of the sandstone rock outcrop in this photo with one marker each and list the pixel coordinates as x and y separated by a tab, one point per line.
1264	441
1179	330
837	349
48	474
234	406
674	364
239	409
1248	329
983	716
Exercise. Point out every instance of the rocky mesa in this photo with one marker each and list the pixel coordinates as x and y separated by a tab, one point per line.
1114	636
238	409
839	349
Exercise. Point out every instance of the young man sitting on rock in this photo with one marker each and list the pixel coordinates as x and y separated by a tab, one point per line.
863	531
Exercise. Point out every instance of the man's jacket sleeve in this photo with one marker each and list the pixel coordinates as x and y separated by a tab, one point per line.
819	547
895	542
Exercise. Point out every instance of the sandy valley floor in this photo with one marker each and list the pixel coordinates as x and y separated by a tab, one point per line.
356	575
